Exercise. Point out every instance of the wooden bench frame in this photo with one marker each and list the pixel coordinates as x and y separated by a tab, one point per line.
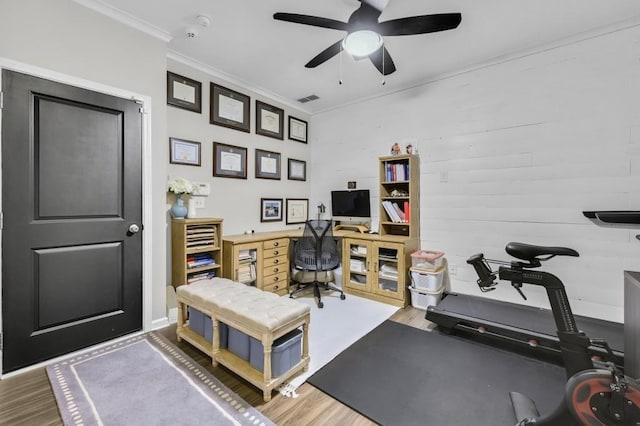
241	367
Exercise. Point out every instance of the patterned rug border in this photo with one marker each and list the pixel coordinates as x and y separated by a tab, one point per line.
68	404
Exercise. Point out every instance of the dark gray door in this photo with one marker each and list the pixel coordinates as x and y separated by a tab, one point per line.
71	188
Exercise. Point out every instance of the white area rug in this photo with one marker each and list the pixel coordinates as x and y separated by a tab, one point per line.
336	327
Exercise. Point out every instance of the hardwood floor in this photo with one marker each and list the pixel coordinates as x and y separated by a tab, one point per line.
27	399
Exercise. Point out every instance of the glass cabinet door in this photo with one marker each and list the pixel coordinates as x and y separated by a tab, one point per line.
389	269
357	270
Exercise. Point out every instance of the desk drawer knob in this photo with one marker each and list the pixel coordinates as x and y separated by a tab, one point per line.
276	278
275	252
275	270
276	287
276	261
276	244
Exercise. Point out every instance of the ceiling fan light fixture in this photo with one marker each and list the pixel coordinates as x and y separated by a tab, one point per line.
363	43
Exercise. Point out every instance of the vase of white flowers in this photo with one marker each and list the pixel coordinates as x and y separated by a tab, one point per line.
179	187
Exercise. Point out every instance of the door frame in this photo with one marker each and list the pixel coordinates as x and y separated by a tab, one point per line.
147	218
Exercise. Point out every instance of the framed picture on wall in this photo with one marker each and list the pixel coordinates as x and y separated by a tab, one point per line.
183	92
184	152
229	108
269	120
297	129
270	209
297	169
229	161
267	164
297	210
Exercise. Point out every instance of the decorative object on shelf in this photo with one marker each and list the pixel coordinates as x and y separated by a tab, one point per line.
409	149
184	152
179	187
297	170
183	92
267	164
270	209
395	149
297	210
229	161
297	129
269	120
191	208
229	108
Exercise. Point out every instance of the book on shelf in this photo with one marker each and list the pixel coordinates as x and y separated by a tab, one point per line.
361	250
407	212
395	172
399	211
390	208
199	263
200	276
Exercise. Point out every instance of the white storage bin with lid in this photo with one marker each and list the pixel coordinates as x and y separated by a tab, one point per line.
422	300
427	260
423	280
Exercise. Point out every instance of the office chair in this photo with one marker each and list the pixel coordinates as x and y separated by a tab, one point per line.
316	251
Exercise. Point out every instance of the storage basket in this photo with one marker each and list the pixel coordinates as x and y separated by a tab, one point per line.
423	280
422	300
427	260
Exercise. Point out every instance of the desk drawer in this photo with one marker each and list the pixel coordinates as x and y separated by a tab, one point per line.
273	252
279	261
279	288
280	279
275	269
282	243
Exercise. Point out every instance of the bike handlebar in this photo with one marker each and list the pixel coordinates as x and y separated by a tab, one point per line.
486	277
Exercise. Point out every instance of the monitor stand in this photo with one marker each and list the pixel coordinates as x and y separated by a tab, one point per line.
359	228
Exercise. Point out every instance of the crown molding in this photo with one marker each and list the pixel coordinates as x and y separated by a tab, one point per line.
126	18
214	72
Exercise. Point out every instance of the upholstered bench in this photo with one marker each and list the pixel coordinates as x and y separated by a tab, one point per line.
262	315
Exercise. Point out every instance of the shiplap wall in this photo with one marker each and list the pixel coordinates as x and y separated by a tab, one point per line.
512	151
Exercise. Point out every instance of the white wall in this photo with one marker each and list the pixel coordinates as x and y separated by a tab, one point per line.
237	201
65	37
524	146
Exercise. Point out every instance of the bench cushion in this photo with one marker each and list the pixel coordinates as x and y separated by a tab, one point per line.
264	311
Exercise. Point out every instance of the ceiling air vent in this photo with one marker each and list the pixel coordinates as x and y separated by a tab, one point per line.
308	98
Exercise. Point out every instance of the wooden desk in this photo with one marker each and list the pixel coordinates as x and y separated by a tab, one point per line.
368	262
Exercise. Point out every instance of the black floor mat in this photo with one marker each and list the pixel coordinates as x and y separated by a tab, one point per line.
400	375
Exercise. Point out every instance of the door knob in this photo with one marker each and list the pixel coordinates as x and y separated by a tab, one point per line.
134	229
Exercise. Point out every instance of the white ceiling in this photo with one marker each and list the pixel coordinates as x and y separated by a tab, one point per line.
246	45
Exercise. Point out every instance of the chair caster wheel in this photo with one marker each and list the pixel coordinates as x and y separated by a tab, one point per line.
342	297
320	305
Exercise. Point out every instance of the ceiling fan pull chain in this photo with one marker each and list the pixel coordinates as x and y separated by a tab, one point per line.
340	60
383	81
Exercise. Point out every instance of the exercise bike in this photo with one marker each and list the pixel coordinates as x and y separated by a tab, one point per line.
596	393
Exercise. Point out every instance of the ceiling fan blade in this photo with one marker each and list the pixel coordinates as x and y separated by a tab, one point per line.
311	20
325	55
419	24
385	66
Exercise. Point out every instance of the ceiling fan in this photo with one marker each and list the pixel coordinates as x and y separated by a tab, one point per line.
364	32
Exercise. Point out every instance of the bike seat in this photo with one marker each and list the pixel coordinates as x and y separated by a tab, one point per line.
530	252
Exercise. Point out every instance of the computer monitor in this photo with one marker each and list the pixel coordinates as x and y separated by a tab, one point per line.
351	206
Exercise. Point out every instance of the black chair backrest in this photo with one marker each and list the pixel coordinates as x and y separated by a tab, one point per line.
317	250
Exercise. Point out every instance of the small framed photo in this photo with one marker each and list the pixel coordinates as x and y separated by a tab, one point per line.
184	152
267	164
297	210
183	92
229	161
269	120
229	108
270	209
297	169
297	129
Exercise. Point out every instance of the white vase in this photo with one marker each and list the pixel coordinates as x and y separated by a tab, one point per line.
191	210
